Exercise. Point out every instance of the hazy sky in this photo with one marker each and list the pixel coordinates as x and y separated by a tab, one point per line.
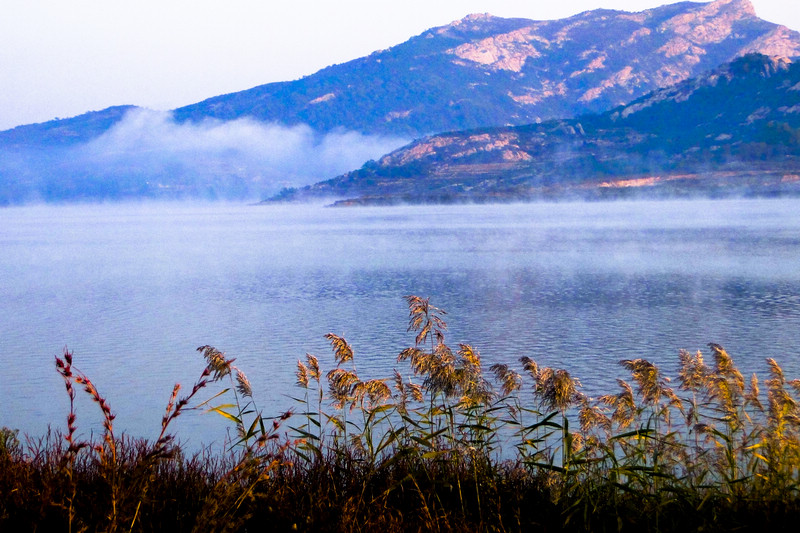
62	58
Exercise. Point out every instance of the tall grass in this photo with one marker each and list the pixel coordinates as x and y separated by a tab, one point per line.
440	444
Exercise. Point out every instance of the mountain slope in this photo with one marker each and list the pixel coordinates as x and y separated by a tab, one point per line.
489	71
735	129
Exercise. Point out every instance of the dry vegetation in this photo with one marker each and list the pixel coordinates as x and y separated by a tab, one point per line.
449	447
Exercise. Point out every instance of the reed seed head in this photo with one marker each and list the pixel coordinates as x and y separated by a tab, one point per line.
217	363
440	368
302	374
782	407
651	384
751	396
425	319
375	390
726	385
509	380
420	360
313	367
693	372
623	403
557	390
470	357
726	369
416	391
243	384
342	351
592	416
530	366
341	383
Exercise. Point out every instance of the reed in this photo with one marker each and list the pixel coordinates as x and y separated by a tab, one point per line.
439	444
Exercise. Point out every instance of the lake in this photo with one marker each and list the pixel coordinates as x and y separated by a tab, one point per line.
133	289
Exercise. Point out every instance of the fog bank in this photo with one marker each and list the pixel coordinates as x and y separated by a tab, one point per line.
147	154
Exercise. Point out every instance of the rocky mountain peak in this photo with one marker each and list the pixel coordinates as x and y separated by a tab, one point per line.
685	37
472	17
710	22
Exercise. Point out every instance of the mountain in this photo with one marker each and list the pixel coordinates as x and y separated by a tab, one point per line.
481	71
734	130
489	71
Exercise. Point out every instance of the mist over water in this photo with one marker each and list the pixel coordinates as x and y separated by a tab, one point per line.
133	289
147	154
272	155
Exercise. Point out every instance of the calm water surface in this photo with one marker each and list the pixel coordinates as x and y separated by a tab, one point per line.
134	289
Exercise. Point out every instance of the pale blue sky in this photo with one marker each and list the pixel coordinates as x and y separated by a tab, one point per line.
62	58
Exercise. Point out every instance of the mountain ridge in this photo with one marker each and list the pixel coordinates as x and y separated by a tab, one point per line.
672	43
541	69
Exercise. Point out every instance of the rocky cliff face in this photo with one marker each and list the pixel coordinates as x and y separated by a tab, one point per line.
672	45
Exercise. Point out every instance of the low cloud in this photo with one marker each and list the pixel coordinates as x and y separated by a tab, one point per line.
253	157
148	154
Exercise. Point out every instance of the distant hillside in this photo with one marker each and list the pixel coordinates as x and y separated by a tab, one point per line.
481	71
734	130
